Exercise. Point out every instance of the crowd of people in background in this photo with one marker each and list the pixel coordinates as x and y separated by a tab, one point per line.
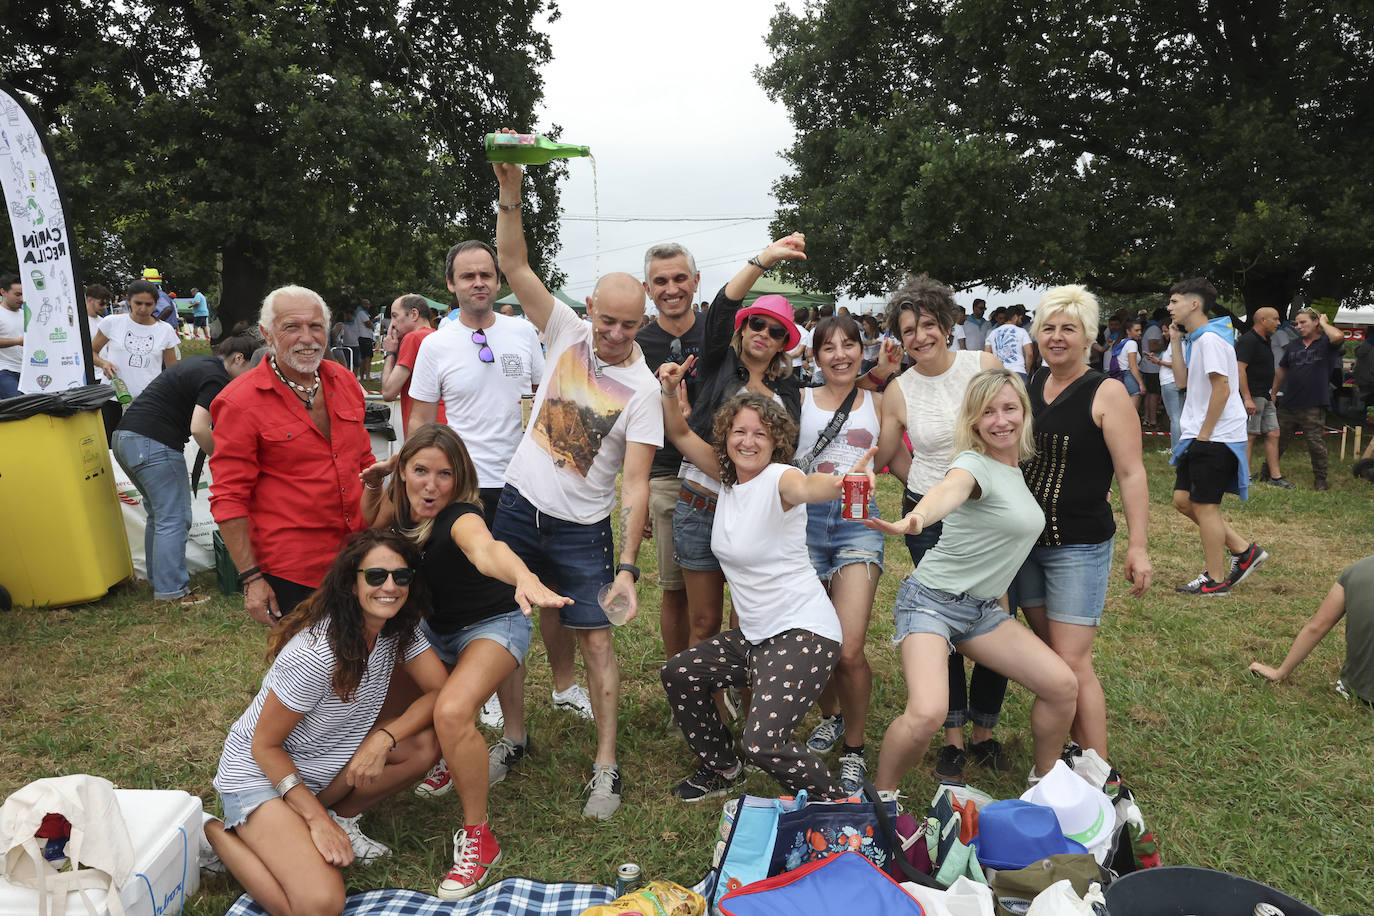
402	594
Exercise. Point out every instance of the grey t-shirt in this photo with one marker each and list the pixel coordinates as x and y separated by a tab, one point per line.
986	539
1358	672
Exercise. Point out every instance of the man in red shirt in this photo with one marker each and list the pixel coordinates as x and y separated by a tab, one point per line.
289	445
410	317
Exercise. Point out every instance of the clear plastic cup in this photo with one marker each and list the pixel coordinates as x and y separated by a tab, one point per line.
617	608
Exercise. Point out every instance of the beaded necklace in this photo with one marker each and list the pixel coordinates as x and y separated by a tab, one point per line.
307	395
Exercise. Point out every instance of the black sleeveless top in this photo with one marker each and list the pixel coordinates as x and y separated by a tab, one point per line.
1072	468
460	593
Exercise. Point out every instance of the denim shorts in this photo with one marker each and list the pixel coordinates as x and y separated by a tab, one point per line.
1131	387
1070	582
512	630
574	559
921	609
238	805
835	542
692	537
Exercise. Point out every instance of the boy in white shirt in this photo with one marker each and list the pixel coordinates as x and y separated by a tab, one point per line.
1210	454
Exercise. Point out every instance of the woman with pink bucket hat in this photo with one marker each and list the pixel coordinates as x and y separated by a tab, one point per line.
743	349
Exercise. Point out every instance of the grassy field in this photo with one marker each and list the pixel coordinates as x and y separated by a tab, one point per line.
1271	782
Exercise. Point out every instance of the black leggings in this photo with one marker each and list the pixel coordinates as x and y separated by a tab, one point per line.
786	673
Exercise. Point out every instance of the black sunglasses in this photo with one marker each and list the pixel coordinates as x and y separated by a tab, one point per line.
483	352
775	331
376	575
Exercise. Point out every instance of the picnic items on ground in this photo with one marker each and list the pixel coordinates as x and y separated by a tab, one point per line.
662	898
844	883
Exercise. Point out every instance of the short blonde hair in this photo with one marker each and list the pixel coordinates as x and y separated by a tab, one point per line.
1073	300
982	388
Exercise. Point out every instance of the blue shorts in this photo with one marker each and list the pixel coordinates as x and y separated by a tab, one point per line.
238	805
576	559
1070	582
513	630
692	536
835	542
921	609
1131	387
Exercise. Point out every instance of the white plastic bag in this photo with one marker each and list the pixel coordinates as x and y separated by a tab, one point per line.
1059	899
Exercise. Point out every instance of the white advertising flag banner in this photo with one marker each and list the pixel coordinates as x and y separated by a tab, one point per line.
54	309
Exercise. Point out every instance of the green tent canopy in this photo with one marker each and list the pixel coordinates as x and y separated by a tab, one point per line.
799	298
558	294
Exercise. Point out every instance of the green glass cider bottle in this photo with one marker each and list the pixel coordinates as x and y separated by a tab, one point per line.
529	149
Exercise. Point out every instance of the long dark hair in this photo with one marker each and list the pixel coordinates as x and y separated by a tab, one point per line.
335	604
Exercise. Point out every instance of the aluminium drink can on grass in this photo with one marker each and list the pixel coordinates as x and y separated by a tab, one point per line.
627	878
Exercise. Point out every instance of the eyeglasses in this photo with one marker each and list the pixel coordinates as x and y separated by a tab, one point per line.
483	351
675	349
775	331
376	575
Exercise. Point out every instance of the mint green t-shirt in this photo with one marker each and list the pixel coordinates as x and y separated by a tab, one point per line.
985	540
1358	672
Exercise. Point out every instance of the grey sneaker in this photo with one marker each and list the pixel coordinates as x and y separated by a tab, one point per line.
825	734
604	789
505	754
853	772
574	699
365	849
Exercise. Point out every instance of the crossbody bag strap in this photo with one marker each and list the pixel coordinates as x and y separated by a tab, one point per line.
909	871
832	429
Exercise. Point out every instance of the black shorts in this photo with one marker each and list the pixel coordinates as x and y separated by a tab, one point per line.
365	350
200	321
1205	471
1151	382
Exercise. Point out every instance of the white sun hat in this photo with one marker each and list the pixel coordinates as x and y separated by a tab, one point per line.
1085	814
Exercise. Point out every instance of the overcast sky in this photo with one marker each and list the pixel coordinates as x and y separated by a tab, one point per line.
664	94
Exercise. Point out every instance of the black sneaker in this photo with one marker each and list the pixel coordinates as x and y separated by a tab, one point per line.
707	783
1205	585
1244	563
950	763
988	755
1283	483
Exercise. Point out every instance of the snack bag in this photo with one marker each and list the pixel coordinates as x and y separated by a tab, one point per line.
657	898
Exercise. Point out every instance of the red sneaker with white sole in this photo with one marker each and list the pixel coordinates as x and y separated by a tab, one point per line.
475	853
436	782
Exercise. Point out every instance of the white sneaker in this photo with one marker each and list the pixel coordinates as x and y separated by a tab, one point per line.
604	787
574	699
209	859
491	715
365	849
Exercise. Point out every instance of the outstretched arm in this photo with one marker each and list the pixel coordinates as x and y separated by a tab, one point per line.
787	248
492	558
1332	609
943	498
796	488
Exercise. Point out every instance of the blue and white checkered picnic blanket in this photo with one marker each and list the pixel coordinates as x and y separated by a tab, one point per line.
509	897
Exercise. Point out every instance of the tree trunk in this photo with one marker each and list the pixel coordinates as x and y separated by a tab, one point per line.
243	283
1274	290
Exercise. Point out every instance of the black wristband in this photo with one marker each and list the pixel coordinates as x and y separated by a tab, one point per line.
630	568
248	574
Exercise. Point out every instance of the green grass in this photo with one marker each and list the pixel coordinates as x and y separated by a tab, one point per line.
1271	782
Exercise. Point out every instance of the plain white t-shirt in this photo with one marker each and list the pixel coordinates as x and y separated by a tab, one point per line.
12	325
583	416
802	345
481	400
1212	354
136	349
956	335
1006	343
762	551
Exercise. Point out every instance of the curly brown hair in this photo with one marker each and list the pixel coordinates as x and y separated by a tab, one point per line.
335	605
922	293
782	429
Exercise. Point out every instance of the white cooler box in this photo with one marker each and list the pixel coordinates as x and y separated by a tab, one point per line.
164	828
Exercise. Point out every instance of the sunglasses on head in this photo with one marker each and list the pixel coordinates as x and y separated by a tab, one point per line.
483	351
376	575
775	331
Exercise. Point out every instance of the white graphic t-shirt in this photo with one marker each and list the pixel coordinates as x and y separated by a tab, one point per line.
481	399
1006	343
583	416
136	349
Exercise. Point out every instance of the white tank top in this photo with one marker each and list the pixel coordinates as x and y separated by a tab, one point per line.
932	406
858	434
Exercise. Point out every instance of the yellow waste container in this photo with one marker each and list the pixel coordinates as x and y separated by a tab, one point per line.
64	540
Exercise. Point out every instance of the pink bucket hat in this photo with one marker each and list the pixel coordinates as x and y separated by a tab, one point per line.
775	307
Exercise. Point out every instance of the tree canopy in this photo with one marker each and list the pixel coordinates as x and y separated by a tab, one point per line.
336	145
1121	143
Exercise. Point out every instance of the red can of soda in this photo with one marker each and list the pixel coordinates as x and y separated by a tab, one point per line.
854	500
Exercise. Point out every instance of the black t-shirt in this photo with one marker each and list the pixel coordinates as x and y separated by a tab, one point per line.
163	411
1308	382
1258	356
460	593
658	348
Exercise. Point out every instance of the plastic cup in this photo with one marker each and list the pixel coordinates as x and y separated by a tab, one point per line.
616	608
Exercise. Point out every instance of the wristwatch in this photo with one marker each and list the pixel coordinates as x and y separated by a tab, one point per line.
630	568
